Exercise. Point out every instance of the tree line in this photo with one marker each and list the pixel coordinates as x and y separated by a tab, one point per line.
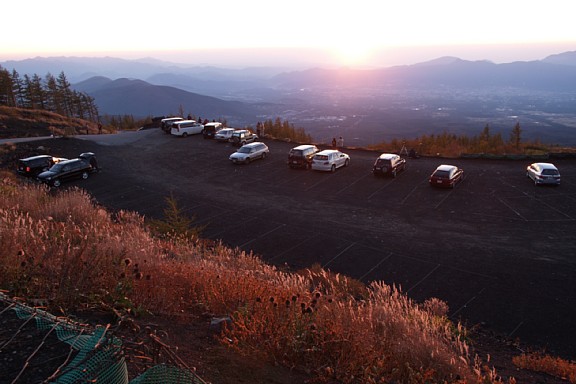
285	130
453	145
50	93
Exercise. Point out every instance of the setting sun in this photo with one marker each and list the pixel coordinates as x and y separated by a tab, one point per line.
352	33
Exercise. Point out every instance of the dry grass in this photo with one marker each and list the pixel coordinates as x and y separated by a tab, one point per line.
554	366
64	250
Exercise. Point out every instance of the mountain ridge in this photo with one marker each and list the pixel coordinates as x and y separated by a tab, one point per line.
444	94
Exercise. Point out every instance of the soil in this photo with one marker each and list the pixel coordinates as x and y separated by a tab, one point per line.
129	180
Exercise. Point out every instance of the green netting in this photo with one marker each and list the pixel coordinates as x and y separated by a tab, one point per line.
161	374
100	357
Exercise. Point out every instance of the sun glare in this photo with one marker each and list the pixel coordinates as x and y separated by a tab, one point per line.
352	55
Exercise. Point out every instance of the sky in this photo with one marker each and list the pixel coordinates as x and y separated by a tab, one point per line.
357	33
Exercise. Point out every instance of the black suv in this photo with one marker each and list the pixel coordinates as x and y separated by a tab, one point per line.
210	129
32	166
301	156
66	170
389	164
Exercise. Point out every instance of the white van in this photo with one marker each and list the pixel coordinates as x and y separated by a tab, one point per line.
186	127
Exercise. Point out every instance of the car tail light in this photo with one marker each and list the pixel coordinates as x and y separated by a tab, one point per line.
28	169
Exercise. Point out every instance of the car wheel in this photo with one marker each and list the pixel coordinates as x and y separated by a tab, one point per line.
394	173
333	168
263	155
184	134
56	183
346	162
84	175
247	160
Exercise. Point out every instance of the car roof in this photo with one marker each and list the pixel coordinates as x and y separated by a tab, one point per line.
304	146
327	151
446	167
254	144
172	118
387	156
545	165
72	161
184	121
215	123
36	157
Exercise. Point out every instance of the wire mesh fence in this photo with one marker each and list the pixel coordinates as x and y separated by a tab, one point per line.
38	347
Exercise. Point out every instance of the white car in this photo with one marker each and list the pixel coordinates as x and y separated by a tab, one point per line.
543	173
224	135
186	127
329	160
246	153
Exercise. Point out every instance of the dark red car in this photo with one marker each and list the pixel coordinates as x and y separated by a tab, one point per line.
446	176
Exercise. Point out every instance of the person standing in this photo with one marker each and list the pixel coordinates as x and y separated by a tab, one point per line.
333	143
341	142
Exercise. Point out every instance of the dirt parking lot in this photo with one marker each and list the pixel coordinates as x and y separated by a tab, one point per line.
500	251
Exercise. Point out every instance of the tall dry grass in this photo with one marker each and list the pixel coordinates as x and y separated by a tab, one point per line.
68	252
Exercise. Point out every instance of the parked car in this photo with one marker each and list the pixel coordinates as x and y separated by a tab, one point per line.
166	123
184	128
389	164
329	160
301	156
79	167
224	135
242	137
252	151
211	129
446	176
543	173
34	165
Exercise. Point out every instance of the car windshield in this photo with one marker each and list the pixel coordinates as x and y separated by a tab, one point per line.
296	152
244	150
57	167
321	157
550	172
381	162
442	174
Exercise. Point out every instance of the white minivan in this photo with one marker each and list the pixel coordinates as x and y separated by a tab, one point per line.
186	127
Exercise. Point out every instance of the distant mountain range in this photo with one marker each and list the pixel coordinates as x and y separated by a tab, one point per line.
139	98
332	99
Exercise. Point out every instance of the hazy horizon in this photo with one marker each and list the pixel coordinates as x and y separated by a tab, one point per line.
364	34
309	57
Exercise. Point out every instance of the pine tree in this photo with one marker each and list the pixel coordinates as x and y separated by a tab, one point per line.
7	96
515	137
